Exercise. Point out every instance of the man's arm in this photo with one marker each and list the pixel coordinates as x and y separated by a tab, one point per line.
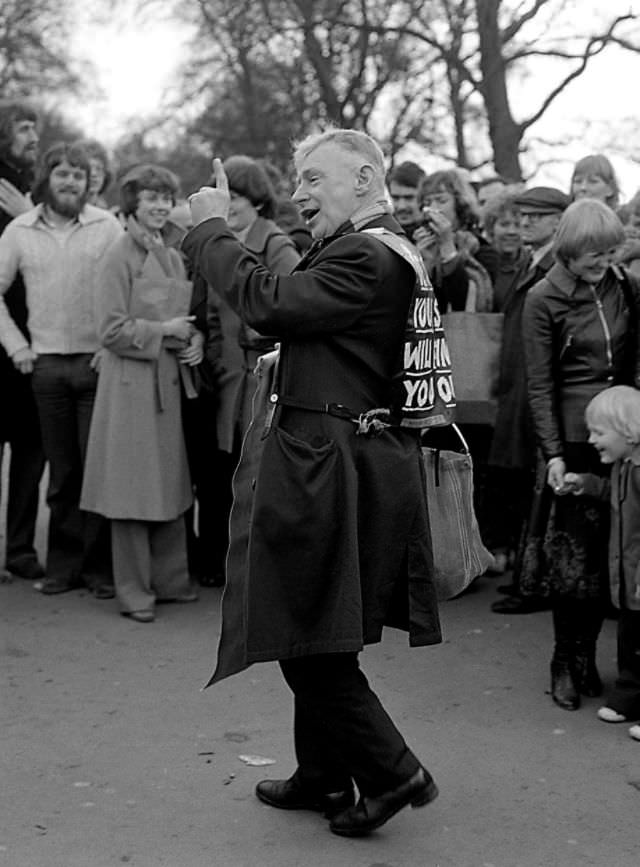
328	297
325	298
15	344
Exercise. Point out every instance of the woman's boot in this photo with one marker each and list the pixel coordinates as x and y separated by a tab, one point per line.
588	622
564	691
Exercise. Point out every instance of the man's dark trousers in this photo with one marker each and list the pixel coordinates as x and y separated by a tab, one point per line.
341	730
79	550
21	430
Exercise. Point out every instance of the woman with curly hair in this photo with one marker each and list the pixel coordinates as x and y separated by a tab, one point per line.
461	263
136	471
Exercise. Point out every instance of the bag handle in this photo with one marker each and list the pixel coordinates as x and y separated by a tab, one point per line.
458	432
465	445
465	451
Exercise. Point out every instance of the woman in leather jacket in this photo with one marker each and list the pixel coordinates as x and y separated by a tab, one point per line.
580	327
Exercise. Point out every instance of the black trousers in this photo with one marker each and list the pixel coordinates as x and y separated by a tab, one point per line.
21	430
23	496
342	732
79	544
625	696
199	424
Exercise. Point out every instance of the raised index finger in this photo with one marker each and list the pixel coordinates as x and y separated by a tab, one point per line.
220	175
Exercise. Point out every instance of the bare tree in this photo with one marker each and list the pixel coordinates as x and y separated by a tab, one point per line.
33	48
446	73
267	71
484	46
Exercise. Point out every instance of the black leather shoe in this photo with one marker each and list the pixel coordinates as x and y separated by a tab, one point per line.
370	813
291	795
520	605
27	568
104	591
52	586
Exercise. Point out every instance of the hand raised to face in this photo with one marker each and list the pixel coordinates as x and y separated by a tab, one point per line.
211	202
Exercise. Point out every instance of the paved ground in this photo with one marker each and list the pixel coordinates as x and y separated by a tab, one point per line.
110	753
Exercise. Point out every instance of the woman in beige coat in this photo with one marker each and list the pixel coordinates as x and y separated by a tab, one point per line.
136	469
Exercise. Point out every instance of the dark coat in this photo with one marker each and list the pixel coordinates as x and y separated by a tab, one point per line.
240	346
623	493
339	542
513	445
17	399
576	345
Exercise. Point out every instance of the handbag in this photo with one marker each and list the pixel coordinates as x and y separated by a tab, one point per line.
475	342
459	555
474	337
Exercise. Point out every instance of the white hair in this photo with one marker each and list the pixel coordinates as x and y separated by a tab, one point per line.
350	140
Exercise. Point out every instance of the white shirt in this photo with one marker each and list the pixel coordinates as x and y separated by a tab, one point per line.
60	269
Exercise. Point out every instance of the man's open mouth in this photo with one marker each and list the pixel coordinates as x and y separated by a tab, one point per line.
308	214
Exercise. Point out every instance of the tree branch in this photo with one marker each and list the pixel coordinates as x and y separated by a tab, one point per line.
518	23
594	46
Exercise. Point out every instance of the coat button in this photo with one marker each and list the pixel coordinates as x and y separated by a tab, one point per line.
273	398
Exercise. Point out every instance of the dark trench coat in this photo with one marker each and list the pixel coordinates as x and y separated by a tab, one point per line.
330	535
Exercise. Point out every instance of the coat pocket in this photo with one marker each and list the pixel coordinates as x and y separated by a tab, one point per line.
297	526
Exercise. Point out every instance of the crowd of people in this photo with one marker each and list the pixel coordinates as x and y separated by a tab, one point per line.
130	340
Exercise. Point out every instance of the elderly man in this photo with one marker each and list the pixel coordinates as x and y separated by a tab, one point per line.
57	246
339	542
19	426
513	446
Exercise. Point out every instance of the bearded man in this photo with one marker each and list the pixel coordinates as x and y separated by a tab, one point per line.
56	247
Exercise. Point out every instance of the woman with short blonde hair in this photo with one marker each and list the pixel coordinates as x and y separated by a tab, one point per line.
580	335
587	226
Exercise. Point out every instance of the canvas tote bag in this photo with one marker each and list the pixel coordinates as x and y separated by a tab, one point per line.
459	554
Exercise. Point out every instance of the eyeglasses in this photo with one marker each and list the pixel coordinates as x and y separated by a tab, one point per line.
535	216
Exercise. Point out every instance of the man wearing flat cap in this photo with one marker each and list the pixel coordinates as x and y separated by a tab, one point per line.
513	447
540	212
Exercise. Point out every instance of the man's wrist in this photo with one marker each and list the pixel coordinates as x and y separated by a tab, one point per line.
12	355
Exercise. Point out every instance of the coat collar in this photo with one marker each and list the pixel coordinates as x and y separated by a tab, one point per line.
543	258
366	218
258	235
561	278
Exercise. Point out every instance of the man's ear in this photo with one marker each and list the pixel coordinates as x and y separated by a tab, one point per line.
364	179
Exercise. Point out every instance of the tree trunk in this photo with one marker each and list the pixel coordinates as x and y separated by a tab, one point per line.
457	108
504	132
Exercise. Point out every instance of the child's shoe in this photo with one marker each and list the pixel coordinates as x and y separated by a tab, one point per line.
608	714
634	732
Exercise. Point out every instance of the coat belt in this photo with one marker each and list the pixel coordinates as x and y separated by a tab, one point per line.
370	423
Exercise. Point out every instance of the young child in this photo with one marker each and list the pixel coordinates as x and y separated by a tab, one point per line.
613	419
